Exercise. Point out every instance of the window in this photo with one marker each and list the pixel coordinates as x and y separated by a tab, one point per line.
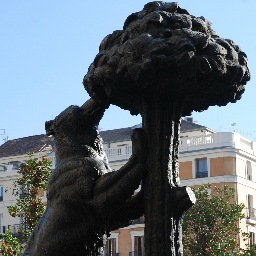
111	247
15	165
1	193
251	214
201	168
128	150
251	239
2	168
138	246
248	170
16	229
137	237
2	228
23	192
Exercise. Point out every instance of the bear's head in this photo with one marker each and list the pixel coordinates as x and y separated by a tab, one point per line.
76	127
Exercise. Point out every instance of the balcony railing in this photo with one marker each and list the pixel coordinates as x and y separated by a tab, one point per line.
118	153
200	140
216	140
136	253
201	174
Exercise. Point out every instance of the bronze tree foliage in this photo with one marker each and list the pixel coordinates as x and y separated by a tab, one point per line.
165	50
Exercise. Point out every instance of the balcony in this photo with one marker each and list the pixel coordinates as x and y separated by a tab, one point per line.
186	144
201	174
136	254
119	153
217	140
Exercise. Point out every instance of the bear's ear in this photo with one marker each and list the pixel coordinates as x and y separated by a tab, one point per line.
94	111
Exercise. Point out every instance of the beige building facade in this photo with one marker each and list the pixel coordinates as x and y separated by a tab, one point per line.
206	157
218	158
12	154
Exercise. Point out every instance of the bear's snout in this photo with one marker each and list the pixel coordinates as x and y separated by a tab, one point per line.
49	128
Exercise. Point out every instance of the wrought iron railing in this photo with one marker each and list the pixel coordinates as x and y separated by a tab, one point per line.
136	253
201	174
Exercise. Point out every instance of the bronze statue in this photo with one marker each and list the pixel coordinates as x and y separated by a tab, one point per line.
164	64
85	199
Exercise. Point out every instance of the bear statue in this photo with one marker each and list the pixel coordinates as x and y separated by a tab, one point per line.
85	199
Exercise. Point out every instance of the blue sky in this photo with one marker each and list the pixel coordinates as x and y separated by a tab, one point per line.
47	46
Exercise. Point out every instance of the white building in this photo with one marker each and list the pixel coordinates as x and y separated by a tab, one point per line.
12	154
218	158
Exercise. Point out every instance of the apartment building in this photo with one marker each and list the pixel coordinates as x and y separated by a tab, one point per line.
12	154
218	158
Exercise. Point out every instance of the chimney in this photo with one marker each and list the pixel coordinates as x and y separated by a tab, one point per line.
189	119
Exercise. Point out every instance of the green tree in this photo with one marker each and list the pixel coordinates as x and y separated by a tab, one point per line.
29	205
211	227
250	251
10	245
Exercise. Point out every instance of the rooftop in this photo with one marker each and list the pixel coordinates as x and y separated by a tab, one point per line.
36	143
125	133
25	145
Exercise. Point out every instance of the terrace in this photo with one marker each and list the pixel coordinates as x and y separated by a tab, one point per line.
217	140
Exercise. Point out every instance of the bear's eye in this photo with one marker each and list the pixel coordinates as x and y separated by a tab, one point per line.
58	121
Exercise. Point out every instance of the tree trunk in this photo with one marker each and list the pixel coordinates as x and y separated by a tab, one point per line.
165	201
